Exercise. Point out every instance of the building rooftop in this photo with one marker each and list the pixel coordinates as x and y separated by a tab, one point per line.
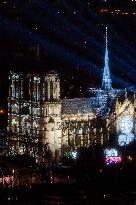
79	105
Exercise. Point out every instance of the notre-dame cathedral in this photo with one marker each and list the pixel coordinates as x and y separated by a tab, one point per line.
37	116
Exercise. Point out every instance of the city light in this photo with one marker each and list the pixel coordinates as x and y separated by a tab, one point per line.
112	160
68	102
126	127
112	157
73	154
125	139
111	152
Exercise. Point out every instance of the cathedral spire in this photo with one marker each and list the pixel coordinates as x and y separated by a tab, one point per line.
106	80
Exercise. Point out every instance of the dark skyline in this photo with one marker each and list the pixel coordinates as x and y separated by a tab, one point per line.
37	36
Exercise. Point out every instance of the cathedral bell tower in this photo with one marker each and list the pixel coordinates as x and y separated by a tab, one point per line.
52	86
52	113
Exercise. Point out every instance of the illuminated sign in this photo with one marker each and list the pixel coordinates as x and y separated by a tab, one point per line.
112	156
112	160
111	152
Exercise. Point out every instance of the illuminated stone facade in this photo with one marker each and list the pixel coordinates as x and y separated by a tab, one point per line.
37	116
24	113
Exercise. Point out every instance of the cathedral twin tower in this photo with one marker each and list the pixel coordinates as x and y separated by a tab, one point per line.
31	104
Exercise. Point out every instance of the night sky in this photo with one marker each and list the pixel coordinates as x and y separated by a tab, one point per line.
67	36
